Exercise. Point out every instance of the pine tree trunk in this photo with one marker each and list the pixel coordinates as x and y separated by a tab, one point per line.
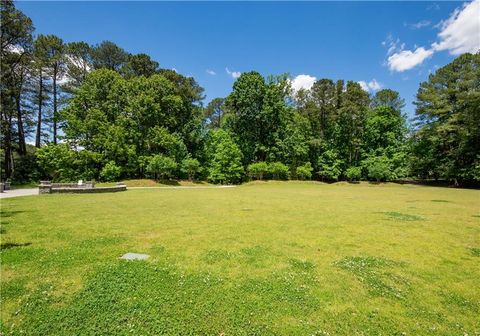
8	147
55	105
39	119
22	147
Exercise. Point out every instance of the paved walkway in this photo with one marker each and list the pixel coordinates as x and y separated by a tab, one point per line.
18	192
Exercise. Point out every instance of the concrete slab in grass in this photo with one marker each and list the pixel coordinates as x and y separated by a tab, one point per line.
134	256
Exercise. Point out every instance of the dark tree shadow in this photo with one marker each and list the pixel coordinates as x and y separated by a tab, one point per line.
6	246
169	182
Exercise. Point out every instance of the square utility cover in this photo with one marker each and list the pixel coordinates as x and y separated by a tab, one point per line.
134	256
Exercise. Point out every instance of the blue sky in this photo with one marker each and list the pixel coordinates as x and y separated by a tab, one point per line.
384	44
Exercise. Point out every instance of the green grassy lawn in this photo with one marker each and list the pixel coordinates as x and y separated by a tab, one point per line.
273	258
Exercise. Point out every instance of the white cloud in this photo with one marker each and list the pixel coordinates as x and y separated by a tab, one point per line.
407	59
302	82
17	49
373	85
419	25
210	72
64	80
364	85
460	33
234	74
79	62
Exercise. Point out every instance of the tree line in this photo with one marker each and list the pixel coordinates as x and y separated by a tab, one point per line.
99	112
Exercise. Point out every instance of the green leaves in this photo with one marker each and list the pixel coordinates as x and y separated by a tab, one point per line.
224	157
161	166
448	141
190	166
110	172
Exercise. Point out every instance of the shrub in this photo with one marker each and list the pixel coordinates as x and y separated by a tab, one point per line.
304	172
330	166
257	170
56	162
110	172
161	166
278	171
225	158
190	166
354	173
378	168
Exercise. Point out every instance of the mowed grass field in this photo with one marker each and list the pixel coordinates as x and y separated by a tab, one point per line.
273	258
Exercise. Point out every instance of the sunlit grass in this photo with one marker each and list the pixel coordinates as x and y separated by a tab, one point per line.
266	258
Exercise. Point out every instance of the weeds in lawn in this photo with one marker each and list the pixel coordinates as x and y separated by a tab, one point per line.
475	251
302	265
461	302
368	271
215	256
403	217
144	298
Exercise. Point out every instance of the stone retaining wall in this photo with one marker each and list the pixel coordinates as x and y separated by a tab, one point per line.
95	190
46	187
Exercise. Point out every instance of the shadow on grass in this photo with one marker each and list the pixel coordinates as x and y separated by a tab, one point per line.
9	213
168	182
9	245
474	251
403	216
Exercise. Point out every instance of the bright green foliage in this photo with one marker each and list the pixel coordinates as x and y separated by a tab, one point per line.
56	162
127	119
110	172
353	173
304	172
257	170
128	109
384	129
161	166
293	147
278	171
246	104
330	165
350	128
448	141
224	157
190	166
88	165
378	168
258	118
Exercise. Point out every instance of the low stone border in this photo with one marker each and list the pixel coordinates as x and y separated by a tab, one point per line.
46	187
88	190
